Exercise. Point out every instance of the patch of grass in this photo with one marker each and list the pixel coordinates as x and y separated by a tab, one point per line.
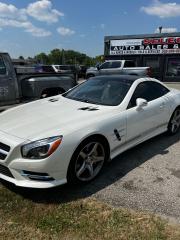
81	219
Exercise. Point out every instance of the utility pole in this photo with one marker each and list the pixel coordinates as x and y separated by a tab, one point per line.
63	57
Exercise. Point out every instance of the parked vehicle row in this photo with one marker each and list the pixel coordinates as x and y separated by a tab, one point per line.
69	137
80	70
25	84
160	51
120	67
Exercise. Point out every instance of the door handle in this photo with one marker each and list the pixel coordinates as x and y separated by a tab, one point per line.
162	105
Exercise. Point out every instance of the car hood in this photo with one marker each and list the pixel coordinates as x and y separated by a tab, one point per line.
57	114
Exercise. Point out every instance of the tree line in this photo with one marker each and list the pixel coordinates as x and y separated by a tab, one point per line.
57	56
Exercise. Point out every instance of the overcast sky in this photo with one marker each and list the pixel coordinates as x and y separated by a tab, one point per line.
28	27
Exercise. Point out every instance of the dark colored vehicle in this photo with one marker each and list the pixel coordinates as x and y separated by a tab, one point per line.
44	68
82	71
19	85
160	51
61	68
67	69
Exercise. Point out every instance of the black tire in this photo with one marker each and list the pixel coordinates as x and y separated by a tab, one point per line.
72	169
173	127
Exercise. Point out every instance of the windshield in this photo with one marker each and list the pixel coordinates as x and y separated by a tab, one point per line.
103	91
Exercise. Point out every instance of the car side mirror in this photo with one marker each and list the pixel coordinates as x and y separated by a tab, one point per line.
141	102
98	67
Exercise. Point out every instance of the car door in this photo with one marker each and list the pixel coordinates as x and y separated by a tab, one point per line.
144	121
111	67
114	68
103	68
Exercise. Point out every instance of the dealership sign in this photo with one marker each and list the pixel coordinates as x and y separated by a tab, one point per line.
169	45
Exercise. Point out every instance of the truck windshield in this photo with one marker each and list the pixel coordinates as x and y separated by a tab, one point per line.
102	91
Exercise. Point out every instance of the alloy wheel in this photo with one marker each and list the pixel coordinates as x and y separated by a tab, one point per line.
89	162
175	121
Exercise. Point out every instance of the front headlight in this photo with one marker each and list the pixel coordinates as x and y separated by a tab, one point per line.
42	148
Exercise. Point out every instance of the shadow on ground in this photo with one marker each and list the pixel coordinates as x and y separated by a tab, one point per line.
113	172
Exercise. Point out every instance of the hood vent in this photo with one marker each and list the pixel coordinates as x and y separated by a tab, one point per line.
4	150
88	108
53	100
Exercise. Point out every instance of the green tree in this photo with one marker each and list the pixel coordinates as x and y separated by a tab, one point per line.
99	59
55	56
21	57
42	58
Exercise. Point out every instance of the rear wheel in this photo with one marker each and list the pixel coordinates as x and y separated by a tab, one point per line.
174	122
87	161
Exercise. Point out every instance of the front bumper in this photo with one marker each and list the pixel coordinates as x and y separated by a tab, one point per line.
33	184
26	172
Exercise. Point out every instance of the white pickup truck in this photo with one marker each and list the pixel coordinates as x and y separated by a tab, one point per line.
123	67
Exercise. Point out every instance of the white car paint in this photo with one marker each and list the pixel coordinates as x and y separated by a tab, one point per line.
43	118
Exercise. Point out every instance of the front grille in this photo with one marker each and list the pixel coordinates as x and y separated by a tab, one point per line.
5	171
4	150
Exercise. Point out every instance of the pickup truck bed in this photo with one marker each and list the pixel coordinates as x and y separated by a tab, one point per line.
34	86
18	86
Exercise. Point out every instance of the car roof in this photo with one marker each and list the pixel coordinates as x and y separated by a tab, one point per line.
128	78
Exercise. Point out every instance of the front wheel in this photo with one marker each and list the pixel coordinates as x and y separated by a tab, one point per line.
174	122
87	161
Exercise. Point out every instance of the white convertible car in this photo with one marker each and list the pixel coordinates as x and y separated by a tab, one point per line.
69	137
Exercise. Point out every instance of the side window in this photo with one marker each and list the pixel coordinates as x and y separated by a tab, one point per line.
173	67
116	64
2	67
105	65
141	91
149	91
154	64
108	65
129	64
157	90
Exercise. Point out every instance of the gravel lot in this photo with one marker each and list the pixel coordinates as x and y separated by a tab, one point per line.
146	178
173	85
